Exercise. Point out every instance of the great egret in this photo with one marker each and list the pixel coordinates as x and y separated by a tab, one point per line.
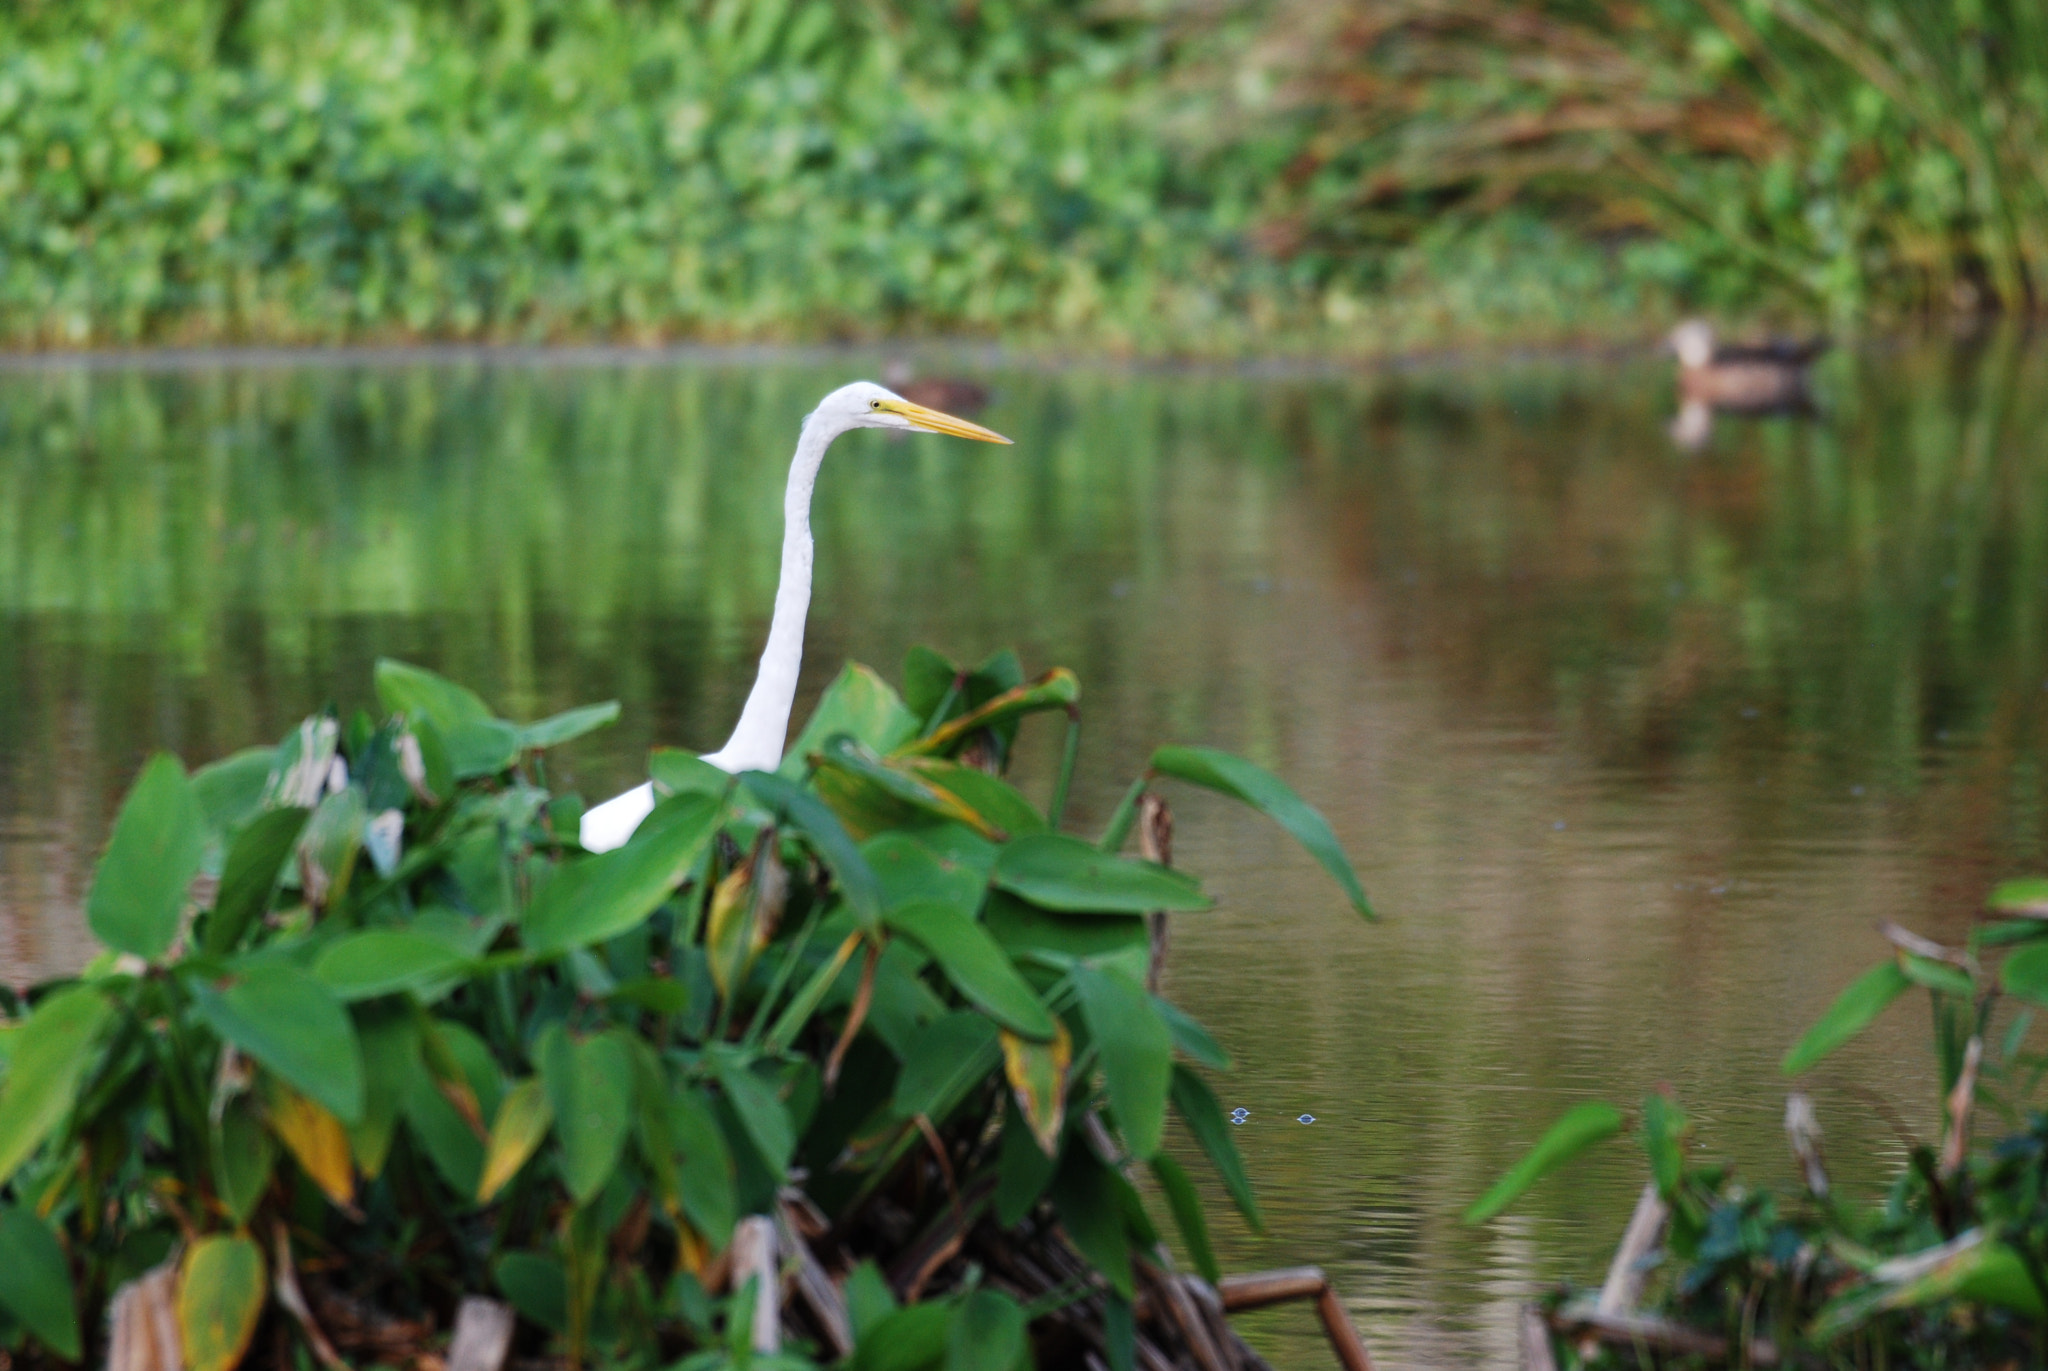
757	740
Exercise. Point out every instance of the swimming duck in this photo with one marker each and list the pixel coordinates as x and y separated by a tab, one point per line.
952	394
1753	378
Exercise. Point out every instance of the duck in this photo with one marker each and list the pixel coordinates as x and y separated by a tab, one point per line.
951	394
1756	378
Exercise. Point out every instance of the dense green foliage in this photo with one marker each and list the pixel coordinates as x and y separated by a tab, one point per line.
372	1025
286	169
1949	1269
1182	177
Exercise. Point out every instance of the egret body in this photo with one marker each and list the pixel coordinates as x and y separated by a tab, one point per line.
757	740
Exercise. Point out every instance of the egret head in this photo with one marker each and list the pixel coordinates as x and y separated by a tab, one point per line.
1693	341
867	405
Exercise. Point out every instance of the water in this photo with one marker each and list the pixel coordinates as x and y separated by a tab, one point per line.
1634	747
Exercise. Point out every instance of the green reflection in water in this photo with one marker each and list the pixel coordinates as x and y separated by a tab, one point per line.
1634	746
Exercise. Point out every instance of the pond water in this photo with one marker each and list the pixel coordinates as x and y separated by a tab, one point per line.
1634	745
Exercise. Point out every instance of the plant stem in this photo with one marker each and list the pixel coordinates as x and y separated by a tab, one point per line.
1058	808
1126	814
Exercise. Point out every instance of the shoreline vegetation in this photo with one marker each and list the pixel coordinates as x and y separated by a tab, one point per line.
1302	177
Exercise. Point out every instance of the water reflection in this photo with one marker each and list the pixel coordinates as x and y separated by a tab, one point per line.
1634	745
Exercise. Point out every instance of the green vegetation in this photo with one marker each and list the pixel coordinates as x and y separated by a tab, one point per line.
288	169
373	1033
1307	174
1861	156
1949	1269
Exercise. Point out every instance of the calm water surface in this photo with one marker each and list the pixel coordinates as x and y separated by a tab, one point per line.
1634	747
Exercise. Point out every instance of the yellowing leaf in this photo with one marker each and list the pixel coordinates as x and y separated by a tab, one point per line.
725	932
1038	1074
523	1121
220	1298
316	1138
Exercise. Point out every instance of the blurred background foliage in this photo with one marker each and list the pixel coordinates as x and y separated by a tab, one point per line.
1150	175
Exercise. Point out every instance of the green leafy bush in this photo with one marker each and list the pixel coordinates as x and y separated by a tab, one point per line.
1949	1269
373	1033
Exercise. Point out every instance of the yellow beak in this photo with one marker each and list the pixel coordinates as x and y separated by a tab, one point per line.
934	421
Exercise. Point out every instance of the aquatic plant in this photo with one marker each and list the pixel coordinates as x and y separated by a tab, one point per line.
372	1034
1949	1269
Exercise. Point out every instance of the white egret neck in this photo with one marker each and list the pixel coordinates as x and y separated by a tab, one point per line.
758	739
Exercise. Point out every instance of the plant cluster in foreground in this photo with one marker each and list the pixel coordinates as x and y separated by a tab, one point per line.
1950	1269
865	1043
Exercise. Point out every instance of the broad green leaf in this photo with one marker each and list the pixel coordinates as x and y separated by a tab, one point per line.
444	1131
1186	1204
1665	1129
477	743
2006	932
35	1281
524	1117
1025	930
598	898
379	961
316	1140
292	1024
139	889
676	772
1084	1194
570	724
760	1111
536	1286
2025	974
49	1057
229	790
928	677
2028	895
418	693
910	872
871	795
1136	1050
710	1181
987	1333
1037	1073
992	797
1198	1109
799	809
1023	1168
942	1060
1937	976
243	1158
869	1299
858	703
391	1058
1853	1010
1190	1037
1581	1127
250	877
1057	689
911	1339
977	967
589	1085
1058	872
1272	797
221	1289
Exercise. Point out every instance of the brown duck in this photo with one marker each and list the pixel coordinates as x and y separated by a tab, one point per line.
1754	378
954	394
